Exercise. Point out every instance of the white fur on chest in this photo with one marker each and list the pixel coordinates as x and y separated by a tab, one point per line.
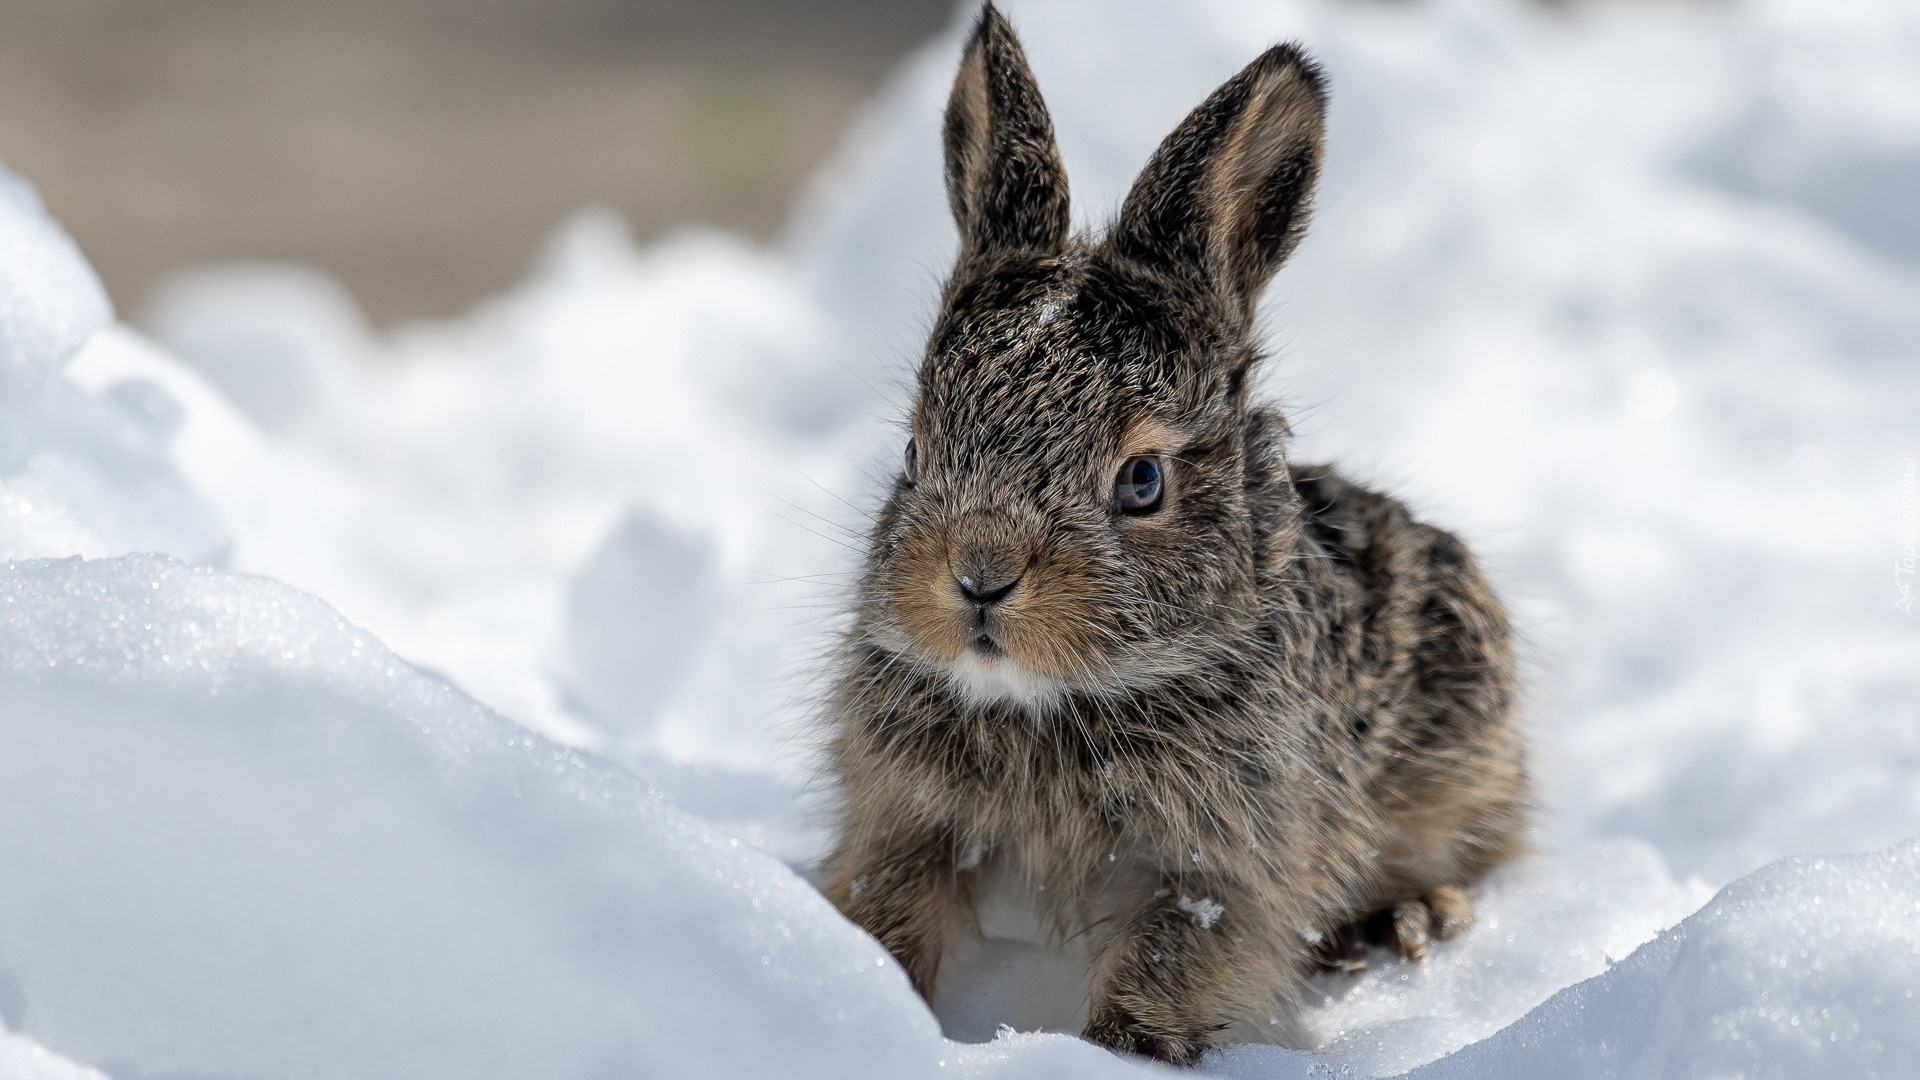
1019	968
996	680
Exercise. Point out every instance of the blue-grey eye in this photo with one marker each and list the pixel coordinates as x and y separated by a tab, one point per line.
911	468
1139	486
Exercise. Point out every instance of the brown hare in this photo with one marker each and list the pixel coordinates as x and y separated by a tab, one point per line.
1213	718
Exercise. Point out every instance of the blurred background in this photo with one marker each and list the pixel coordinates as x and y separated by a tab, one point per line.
422	149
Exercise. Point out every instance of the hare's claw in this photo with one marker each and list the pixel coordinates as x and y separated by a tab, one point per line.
1408	928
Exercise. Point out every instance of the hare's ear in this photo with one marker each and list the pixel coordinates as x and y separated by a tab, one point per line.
1226	197
1004	178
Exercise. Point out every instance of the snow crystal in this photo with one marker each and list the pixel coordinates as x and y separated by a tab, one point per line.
1203	911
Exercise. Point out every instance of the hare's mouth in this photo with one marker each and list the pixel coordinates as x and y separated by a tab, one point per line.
984	646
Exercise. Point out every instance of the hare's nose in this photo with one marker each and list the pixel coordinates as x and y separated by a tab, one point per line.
987	556
983	590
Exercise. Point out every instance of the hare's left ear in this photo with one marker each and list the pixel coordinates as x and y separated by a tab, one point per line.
1005	182
1225	198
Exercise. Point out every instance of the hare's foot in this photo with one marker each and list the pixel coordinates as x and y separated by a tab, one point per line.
1174	1043
1441	915
1407	928
1165	981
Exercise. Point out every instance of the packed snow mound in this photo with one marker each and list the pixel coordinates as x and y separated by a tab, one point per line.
467	680
1807	968
244	839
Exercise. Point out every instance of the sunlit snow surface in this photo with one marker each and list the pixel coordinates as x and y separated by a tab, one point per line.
1629	297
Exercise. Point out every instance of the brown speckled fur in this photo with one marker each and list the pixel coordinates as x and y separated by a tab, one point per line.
1277	692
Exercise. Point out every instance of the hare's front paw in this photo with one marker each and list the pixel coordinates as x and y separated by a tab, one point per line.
1407	928
1119	1030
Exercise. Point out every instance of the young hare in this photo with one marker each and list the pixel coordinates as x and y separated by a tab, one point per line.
1122	682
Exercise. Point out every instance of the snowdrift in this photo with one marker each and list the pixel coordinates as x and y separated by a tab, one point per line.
244	839
430	704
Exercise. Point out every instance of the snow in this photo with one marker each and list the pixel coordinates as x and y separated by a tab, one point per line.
50	299
23	1059
1541	927
100	460
1203	911
274	338
280	850
431	703
1806	968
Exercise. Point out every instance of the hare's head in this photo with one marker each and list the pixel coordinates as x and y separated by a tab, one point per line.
1071	516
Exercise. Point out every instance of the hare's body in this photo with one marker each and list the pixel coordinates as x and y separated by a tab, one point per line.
1183	739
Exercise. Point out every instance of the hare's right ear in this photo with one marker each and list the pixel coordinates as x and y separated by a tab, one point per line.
1225	198
1004	178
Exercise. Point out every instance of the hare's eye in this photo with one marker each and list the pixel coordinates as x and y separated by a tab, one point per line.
911	468
1138	488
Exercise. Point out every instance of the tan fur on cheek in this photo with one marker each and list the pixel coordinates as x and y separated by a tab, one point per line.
921	599
1060	629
